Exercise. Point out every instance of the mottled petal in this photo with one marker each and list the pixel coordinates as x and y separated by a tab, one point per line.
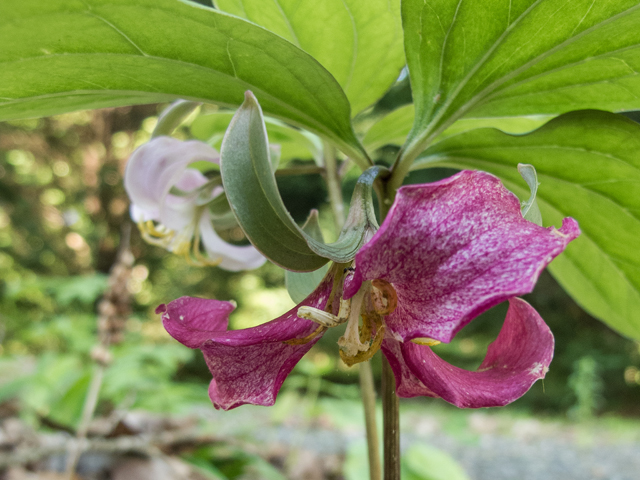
515	360
234	257
407	384
158	165
453	249
248	366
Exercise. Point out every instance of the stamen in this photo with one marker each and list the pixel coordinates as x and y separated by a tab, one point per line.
425	341
350	342
308	338
375	344
384	297
321	317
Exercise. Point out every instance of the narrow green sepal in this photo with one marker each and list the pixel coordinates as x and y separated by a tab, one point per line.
253	194
530	209
360	225
173	116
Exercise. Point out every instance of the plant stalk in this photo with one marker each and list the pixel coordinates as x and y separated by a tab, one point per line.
368	393
334	186
390	401
367	388
390	423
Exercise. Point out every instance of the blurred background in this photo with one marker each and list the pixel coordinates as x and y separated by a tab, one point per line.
72	309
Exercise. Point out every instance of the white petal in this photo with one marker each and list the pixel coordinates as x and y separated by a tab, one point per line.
234	258
158	165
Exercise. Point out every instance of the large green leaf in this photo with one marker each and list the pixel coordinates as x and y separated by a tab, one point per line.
394	127
252	192
358	41
74	54
588	165
519	57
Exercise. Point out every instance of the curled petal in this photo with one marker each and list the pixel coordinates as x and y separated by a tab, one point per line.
158	165
192	321
233	257
248	366
515	360
453	249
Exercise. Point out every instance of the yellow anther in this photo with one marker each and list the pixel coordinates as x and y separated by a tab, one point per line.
425	341
186	244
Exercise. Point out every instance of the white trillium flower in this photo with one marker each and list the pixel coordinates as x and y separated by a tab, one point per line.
169	202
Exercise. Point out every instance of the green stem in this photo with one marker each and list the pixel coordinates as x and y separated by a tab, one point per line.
367	389
390	423
173	116
368	393
390	401
334	186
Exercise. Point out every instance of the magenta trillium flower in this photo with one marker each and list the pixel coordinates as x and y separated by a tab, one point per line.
446	252
169	202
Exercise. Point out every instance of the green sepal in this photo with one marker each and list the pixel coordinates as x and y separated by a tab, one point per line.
530	209
252	191
173	116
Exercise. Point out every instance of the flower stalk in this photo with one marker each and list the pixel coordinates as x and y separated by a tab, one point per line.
390	401
367	387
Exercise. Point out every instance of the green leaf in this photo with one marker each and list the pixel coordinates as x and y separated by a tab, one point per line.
67	410
588	164
530	57
358	41
252	192
530	209
393	128
424	462
293	143
80	54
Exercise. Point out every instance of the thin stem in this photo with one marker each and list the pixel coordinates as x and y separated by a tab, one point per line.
334	186
390	423
390	401
367	389
88	409
368	393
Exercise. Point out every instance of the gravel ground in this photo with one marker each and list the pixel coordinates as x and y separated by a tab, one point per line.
489	446
504	458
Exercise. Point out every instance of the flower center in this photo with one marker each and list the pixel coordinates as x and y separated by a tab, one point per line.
185	243
361	339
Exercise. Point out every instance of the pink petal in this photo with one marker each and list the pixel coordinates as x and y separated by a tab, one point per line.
248	366
158	165
453	249
515	360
